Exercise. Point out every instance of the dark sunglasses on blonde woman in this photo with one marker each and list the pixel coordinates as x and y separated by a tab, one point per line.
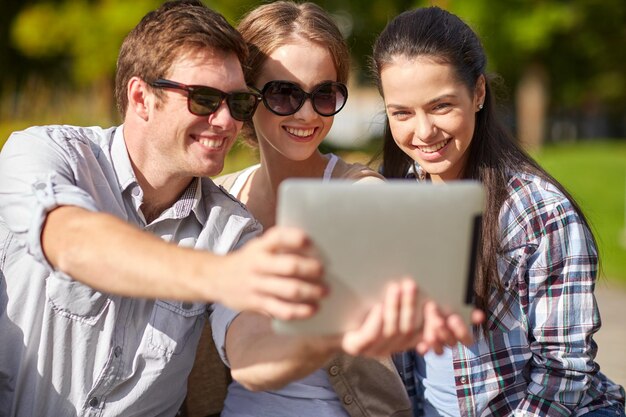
203	100
285	98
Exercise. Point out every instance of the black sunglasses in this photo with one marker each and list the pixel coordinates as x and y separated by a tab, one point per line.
285	98
203	100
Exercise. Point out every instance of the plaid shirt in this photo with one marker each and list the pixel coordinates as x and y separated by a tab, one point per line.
537	359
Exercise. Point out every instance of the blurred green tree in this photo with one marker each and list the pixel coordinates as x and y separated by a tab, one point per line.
552	51
82	37
87	33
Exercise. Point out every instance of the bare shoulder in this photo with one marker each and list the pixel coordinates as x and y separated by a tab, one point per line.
356	172
227	180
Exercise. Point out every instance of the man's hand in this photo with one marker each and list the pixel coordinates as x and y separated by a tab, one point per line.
276	273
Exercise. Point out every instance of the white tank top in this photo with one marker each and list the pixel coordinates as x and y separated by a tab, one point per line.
311	396
245	174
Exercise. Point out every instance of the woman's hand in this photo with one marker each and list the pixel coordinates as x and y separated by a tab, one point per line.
403	320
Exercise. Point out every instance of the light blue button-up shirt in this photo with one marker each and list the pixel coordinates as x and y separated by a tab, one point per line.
65	348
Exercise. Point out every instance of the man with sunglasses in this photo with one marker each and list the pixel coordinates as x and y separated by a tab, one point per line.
113	241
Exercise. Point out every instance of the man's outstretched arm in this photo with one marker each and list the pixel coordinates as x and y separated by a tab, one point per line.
272	273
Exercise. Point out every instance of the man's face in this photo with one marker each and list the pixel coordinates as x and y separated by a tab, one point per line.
190	145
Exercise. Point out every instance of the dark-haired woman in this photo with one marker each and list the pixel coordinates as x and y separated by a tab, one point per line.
534	355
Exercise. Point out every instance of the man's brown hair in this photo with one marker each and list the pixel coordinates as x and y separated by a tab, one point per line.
167	33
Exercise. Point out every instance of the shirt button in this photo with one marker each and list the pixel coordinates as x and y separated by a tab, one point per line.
136	191
93	402
117	351
187	306
347	399
334	370
463	380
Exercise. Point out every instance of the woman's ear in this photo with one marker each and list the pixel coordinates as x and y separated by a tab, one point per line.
139	98
480	92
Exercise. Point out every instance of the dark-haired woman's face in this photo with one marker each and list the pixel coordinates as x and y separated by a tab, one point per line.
431	113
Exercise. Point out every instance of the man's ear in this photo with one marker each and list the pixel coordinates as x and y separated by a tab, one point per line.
140	99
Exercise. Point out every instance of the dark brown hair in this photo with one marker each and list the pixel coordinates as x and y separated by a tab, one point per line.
167	33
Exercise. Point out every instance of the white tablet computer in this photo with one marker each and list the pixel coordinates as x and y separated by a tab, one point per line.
370	233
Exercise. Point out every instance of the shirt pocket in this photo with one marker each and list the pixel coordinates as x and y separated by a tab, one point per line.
74	300
173	323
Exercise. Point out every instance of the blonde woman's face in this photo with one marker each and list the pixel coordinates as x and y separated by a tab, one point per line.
297	136
432	115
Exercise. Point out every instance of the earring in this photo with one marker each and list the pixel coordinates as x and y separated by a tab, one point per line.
480	106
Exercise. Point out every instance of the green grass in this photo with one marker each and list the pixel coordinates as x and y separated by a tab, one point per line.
595	174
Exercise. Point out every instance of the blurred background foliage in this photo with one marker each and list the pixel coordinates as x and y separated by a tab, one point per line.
561	67
570	51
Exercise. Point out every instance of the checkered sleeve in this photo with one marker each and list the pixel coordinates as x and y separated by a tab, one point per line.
562	311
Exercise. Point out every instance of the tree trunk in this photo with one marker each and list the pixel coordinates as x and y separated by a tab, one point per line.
531	99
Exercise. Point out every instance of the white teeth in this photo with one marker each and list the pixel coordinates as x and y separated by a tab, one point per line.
212	143
433	148
300	132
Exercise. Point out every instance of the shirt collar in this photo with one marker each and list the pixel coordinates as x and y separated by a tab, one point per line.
121	161
417	172
189	202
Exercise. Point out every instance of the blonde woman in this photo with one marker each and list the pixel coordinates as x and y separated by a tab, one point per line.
299	63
